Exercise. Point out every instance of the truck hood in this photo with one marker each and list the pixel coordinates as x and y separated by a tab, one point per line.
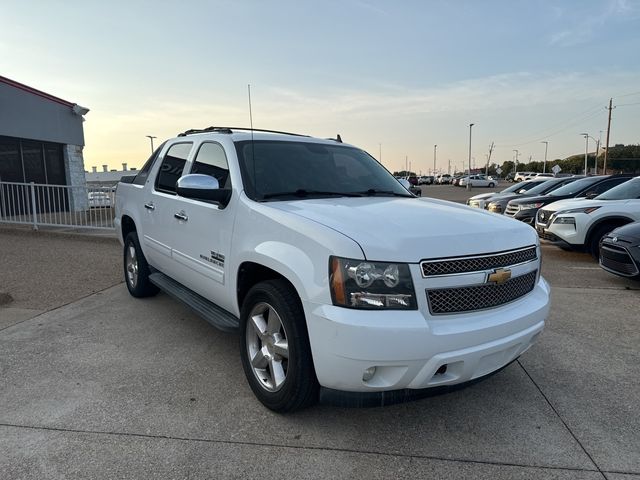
411	229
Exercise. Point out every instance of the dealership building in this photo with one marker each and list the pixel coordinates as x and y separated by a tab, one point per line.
41	138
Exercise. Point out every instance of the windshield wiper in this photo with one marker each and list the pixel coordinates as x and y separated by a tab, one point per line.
302	193
386	193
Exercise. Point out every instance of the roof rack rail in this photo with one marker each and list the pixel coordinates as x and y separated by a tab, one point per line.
229	130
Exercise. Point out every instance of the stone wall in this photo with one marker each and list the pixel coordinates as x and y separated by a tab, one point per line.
74	169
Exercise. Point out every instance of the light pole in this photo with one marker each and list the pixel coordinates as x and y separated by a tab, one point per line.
544	165
469	180
380	153
435	147
586	151
515	168
151	137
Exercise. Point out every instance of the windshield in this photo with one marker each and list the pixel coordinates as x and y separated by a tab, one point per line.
529	185
546	187
575	187
539	188
625	191
282	170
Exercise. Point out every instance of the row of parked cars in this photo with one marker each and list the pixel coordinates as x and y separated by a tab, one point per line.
594	214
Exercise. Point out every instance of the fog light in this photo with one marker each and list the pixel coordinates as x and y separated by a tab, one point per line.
368	374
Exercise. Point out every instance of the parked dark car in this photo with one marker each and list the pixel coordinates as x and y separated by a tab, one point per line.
484	199
413	180
526	209
540	187
620	251
510	177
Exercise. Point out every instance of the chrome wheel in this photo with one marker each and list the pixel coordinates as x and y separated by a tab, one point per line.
267	346
132	266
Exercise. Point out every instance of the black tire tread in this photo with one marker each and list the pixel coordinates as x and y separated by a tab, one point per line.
144	287
303	390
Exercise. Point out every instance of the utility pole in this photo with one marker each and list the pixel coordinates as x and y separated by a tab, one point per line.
489	159
449	167
544	165
515	168
469	181
380	153
435	147
406	165
606	152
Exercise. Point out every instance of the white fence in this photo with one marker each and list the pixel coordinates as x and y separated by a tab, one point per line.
57	205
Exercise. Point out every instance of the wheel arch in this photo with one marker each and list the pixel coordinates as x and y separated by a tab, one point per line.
251	273
616	221
127	225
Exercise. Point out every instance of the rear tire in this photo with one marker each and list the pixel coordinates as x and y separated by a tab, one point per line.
136	269
491	185
274	348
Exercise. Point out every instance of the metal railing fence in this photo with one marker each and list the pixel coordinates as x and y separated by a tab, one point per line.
57	205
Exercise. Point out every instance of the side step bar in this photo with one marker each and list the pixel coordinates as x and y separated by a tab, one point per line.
212	313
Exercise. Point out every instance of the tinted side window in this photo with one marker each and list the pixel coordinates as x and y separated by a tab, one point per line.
172	166
608	184
142	175
212	161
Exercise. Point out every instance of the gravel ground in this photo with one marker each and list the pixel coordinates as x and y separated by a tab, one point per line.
44	270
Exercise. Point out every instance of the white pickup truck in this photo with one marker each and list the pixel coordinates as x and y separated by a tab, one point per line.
342	285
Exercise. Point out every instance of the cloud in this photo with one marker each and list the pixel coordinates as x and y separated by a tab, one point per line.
584	24
514	90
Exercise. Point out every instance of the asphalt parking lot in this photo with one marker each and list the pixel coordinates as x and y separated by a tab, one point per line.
97	384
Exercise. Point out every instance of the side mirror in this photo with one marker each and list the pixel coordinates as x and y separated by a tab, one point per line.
405	183
203	187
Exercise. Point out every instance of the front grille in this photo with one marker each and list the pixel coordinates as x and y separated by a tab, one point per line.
477	264
544	216
618	260
511	210
467	299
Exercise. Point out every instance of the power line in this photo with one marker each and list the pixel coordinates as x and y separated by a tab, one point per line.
567	126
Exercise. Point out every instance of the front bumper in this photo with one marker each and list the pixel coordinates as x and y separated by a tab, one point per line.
412	350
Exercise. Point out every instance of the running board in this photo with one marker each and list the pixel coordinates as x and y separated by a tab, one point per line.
212	313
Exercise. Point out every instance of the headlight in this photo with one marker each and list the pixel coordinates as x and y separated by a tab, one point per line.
530	206
371	285
580	210
565	220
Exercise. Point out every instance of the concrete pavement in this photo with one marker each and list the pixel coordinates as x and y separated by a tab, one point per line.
108	386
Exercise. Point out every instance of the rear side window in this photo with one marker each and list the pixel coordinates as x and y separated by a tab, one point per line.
211	160
607	184
141	177
172	167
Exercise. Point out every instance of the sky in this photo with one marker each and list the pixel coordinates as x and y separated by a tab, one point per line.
393	78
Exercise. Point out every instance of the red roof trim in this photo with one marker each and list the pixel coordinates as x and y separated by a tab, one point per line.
33	91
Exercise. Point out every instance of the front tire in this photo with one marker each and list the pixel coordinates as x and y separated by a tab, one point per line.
274	348
491	185
593	246
136	269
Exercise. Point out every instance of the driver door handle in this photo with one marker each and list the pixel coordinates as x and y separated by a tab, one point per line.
181	215
149	206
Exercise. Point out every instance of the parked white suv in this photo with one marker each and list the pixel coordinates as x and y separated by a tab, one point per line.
334	275
581	224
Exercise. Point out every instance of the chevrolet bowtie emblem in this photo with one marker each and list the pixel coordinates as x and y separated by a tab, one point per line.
499	276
